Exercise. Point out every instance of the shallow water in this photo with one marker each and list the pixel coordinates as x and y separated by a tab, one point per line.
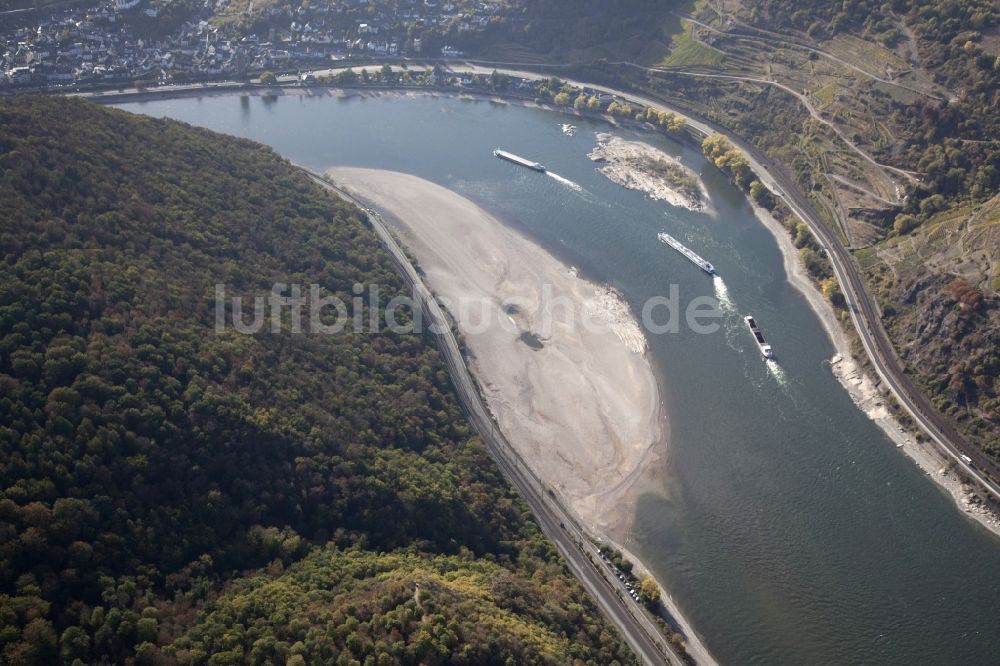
789	529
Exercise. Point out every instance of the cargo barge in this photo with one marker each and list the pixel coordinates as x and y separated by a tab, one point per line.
694	258
758	337
518	160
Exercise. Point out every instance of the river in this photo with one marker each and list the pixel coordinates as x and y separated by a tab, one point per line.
788	527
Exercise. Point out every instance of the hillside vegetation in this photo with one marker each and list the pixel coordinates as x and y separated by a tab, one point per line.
575	31
930	243
885	114
170	494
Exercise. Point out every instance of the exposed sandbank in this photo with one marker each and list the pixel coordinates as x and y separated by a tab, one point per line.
639	166
560	359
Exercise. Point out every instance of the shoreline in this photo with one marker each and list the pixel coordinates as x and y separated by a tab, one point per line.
599	512
224	89
694	644
864	392
570	539
561	360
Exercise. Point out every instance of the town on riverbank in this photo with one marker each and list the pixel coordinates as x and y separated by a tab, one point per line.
148	43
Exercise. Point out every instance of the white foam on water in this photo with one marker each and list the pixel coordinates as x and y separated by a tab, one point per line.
722	295
777	372
565	181
731	323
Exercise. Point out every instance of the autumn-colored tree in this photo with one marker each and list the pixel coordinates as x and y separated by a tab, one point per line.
831	289
649	591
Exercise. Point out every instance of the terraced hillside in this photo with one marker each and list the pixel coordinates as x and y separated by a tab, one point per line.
884	114
938	287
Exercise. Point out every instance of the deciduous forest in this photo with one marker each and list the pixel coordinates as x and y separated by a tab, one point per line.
171	494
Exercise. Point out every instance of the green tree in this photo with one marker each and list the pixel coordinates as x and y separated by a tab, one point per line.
346	76
815	263
74	644
499	81
904	223
148	462
760	194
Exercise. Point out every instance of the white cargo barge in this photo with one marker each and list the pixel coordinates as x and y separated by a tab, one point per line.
518	160
680	247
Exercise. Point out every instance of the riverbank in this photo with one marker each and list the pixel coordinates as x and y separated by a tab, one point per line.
560	359
864	391
475	174
693	643
579	403
228	88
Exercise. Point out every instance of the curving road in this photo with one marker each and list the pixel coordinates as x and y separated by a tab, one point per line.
638	629
911	176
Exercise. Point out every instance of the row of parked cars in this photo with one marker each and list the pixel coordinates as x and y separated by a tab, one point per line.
626	579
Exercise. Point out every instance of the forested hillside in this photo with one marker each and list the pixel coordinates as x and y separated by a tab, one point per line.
170	494
572	31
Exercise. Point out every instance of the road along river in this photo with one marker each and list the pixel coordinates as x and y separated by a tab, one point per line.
785	524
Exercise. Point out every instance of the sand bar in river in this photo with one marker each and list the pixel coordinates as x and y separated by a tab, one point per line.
561	360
